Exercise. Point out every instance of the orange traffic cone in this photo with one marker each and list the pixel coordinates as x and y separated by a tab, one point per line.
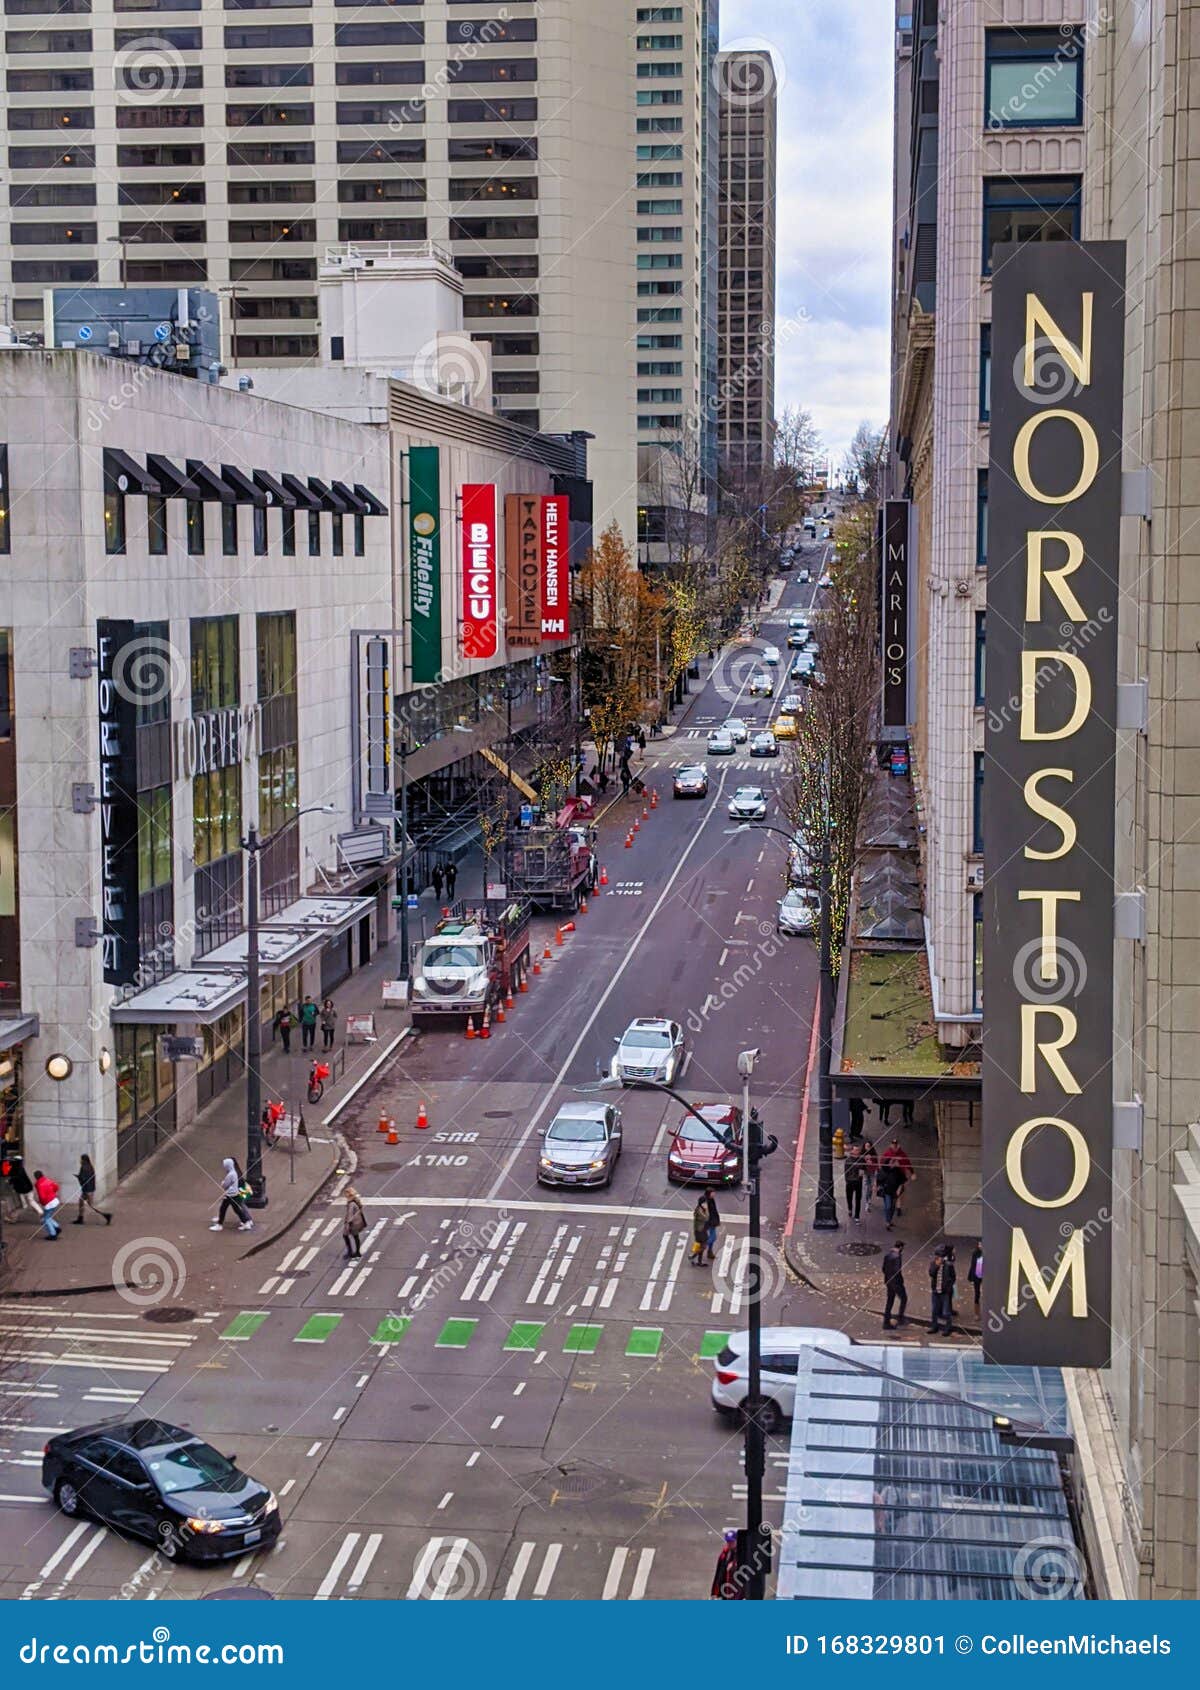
569	928
508	999
537	969
654	798
422	1116
546	952
485	1031
629	842
637	826
470	1032
523	983
382	1122
558	933
500	1014
604	877
393	1136
583	906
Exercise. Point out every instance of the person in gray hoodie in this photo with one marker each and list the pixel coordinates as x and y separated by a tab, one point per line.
232	1181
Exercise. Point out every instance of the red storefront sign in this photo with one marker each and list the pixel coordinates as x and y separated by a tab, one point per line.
556	590
479	580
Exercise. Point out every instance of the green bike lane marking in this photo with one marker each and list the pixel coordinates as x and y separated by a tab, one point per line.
582	1340
644	1341
317	1328
524	1335
243	1326
712	1344
458	1332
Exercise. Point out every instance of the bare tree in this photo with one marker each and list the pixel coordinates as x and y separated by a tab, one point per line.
833	755
622	622
864	462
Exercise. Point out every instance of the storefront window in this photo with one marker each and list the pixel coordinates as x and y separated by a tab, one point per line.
145	1094
214	663
12	1092
154	838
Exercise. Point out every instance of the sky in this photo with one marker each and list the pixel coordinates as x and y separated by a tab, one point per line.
834	62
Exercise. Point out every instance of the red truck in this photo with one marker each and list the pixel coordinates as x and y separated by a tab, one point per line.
553	864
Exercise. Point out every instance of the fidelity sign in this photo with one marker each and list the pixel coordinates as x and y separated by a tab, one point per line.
425	562
556	530
1055	503
479	607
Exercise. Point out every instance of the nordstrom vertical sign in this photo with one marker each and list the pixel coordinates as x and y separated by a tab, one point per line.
1054	488
117	710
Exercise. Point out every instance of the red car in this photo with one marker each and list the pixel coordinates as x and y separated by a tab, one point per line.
695	1157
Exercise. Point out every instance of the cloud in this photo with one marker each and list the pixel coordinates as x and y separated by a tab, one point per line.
834	211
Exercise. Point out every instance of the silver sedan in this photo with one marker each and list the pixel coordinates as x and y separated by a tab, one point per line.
581	1145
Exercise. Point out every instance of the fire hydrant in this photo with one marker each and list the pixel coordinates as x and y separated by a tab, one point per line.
839	1143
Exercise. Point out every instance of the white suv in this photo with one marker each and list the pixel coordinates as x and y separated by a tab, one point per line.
781	1347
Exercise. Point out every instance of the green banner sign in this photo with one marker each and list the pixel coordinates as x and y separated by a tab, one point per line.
425	562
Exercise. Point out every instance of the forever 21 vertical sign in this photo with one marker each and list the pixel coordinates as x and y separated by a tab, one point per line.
1054	495
118	804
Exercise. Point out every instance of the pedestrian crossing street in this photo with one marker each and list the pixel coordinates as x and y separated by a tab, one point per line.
584	1263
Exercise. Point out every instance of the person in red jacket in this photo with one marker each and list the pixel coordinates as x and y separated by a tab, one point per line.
46	1191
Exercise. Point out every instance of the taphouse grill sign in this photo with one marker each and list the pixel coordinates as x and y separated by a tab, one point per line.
1054	494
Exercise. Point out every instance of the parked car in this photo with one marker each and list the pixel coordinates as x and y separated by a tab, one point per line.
784	727
581	1146
720	743
781	1350
695	1157
163	1484
649	1049
762	685
799	911
764	745
748	804
690	782
737	727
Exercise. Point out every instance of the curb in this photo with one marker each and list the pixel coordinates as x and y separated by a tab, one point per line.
274	1237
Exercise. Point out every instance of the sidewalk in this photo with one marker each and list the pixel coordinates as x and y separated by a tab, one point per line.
162	1210
842	1270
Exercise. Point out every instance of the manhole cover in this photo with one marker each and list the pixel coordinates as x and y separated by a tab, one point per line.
418	1408
583	1485
384	1167
860	1247
497	1114
173	1316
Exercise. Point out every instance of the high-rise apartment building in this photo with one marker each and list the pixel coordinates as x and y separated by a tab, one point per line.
746	267
676	178
231	144
1070	120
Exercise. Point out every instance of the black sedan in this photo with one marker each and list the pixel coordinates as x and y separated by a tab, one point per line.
159	1482
764	745
691	782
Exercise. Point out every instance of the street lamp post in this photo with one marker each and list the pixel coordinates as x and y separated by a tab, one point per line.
825	1217
252	845
403	751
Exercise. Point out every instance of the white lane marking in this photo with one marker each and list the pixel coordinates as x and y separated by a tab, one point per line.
345	1550
506	1255
309	1453
473	1458
517	1389
445	1499
738	1277
339	1412
308	1258
563	1268
450	1566
722	1274
363	1565
17	1310
310	1229
673	1275
341	1279
74	1334
497	1422
750	884
268	1285
485	1261
720	963
634	949
542	1587
358	1283
655	1269
64	1548
32	1431
622	1209
285	1286
330	1228
243	1567
284	1489
616	1567
519	1567
291	1256
642	1576
85	1554
361	1381
119	1363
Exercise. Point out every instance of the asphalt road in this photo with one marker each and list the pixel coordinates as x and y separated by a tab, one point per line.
509	1396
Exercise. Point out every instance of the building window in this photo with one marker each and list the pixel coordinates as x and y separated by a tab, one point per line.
336	533
156	524
1034	78
314	533
1028	208
981	519
278	761
977	807
194	509
229	530
360	535
5	538
260	530
114	521
977	953
288	531
214	663
980	656
985	371
154	838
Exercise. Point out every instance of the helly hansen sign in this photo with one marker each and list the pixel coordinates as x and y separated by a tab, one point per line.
1054	496
556	530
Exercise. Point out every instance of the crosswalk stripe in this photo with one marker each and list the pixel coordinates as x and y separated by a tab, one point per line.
516	1577
642	1575
616	1567
363	1565
542	1587
346	1549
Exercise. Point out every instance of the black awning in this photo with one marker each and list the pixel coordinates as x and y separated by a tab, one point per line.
276	493
327	498
375	507
245	491
123	474
306	500
175	482
209	485
352	500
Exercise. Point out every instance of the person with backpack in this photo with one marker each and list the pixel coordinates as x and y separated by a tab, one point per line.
19	1182
234	1192
284	1022
87	1191
308	1023
714	1222
888	1181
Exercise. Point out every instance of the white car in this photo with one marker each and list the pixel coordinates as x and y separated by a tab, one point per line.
761	686
792	704
770	655
804	664
804	577
649	1049
748	804
826	580
800	620
781	1350
738	729
720	743
799	911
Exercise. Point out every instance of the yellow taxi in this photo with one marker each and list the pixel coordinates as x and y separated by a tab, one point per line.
784	727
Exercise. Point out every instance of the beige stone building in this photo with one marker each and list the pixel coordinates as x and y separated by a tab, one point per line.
1043	120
